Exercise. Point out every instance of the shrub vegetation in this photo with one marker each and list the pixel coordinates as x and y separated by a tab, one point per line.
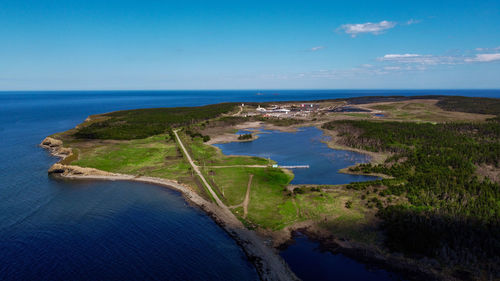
451	213
142	123
245	137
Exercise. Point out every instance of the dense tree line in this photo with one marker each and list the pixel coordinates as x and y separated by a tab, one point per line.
449	103
471	105
142	123
451	214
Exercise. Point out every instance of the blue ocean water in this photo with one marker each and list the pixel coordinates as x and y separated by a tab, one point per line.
67	230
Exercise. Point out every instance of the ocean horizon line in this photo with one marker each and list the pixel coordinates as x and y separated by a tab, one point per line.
245	90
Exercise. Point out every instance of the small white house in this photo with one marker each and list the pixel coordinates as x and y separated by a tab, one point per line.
261	109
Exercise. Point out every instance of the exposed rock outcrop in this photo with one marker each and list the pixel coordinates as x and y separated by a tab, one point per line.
55	147
70	170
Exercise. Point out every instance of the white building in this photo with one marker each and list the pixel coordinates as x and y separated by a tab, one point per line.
261	109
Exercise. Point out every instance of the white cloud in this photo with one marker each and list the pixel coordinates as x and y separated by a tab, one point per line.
369	27
392	68
420	59
314	49
364	70
396	64
484	58
399	56
487	49
412	21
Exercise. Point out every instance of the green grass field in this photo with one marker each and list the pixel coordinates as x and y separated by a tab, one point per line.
272	207
269	207
153	156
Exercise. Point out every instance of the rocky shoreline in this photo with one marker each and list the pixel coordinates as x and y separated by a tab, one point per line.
269	265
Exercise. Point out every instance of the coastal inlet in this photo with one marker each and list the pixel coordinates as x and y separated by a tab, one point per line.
305	147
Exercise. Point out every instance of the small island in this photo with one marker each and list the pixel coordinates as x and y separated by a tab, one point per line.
430	210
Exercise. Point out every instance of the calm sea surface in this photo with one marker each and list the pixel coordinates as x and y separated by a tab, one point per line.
67	230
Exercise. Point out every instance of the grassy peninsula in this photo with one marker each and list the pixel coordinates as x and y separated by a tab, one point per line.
437	210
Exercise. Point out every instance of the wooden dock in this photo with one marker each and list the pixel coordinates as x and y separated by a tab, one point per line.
295	167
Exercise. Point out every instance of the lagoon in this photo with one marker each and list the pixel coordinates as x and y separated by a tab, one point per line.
305	147
311	262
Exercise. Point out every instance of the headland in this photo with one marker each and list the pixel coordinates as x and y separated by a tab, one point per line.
366	220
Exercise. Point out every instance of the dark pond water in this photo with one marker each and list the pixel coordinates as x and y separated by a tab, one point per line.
310	262
349	109
304	147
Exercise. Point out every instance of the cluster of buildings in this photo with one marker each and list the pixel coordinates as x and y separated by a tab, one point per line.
306	109
287	111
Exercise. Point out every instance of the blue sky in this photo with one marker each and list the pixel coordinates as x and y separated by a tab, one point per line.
80	45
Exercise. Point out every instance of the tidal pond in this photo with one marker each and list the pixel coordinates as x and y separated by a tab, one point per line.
311	262
305	147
